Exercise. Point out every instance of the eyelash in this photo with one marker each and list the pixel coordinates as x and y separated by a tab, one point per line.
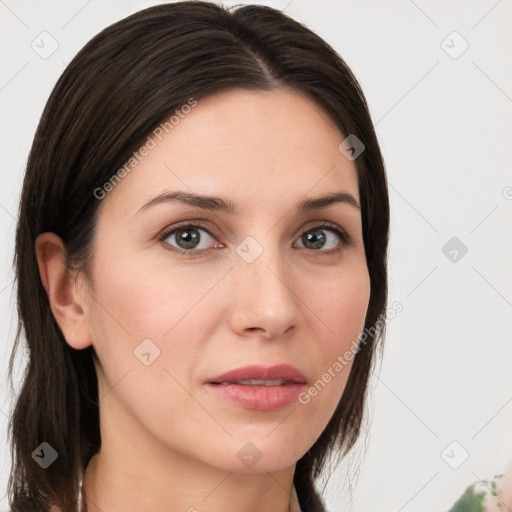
328	226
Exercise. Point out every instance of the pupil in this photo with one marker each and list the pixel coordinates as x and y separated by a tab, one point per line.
317	238
187	238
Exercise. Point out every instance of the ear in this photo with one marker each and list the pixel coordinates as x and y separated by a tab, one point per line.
65	294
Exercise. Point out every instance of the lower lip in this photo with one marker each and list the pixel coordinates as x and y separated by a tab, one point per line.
259	398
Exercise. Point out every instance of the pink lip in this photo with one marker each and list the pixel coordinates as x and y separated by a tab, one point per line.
260	398
280	371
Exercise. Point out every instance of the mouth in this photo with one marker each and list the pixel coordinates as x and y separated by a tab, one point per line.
256	382
258	375
260	388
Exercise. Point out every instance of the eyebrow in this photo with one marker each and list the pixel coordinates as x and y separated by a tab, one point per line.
225	205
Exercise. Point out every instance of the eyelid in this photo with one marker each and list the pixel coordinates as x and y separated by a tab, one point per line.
188	223
345	237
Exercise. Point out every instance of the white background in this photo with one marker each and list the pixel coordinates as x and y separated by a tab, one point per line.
445	128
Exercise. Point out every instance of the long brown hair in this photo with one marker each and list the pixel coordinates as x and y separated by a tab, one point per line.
118	88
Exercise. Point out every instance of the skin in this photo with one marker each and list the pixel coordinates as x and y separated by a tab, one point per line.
169	443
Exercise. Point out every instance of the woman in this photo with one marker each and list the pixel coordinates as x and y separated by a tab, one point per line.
201	259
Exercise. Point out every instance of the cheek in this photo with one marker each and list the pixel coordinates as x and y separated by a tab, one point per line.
145	340
341	304
135	302
146	300
340	308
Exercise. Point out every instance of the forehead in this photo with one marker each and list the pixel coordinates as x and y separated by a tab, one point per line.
250	146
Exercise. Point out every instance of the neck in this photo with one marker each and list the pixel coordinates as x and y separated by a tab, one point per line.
106	487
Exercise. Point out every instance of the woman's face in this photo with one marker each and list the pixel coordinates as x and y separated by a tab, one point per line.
263	286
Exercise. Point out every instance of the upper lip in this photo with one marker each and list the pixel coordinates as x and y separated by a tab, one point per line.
258	372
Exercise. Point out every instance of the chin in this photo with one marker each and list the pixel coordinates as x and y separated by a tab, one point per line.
261	455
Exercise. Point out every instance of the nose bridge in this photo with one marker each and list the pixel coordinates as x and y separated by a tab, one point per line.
264	296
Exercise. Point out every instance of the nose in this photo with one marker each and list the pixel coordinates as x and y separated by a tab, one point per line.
263	298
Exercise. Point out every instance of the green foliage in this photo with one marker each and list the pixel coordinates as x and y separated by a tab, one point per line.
470	501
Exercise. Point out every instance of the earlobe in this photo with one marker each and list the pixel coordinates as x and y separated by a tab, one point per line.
61	289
